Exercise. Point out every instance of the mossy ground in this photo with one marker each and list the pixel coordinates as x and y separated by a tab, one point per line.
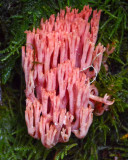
105	139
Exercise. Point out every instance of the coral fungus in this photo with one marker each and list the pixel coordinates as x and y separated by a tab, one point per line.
60	98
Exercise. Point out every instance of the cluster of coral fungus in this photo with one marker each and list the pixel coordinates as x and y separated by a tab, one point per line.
60	98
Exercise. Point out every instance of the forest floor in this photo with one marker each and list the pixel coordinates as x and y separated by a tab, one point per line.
107	138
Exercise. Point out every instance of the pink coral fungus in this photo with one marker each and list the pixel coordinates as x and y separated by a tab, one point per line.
60	98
